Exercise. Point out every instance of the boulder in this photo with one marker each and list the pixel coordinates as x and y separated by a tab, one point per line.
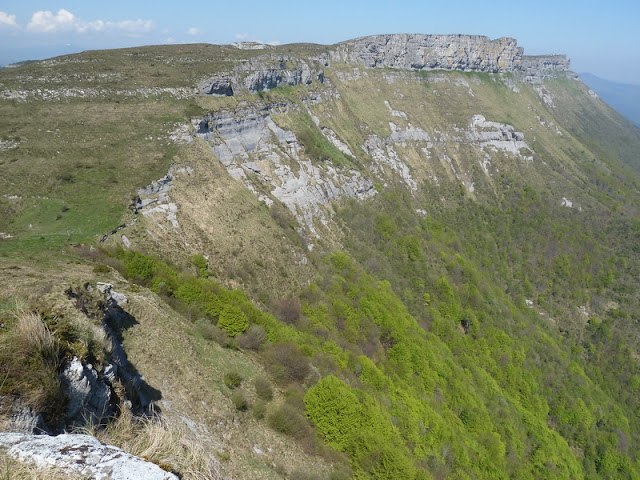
81	455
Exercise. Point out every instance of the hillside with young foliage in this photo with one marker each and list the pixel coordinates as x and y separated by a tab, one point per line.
402	256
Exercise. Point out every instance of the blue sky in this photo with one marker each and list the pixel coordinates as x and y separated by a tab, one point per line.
599	37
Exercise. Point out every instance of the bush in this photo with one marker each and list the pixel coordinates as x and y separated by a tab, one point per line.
232	379
101	268
239	401
286	419
233	320
252	338
263	388
210	331
288	363
139	266
259	409
201	264
334	409
289	310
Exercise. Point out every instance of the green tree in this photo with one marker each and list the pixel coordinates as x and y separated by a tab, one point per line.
335	411
233	320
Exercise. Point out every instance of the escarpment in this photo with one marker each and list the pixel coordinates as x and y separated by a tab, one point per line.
446	52
475	53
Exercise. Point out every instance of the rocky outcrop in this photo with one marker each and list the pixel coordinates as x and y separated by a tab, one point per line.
80	455
20	417
254	148
446	52
89	393
262	73
537	67
154	201
426	52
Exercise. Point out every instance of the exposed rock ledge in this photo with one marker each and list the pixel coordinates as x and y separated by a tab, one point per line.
446	52
262	73
80	454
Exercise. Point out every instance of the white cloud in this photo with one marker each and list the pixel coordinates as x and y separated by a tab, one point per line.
44	21
241	36
7	20
193	31
274	43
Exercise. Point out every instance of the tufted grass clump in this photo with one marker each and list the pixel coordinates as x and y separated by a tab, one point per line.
29	363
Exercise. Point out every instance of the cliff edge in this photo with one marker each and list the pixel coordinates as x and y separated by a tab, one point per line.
446	52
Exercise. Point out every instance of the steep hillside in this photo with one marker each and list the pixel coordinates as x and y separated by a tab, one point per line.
402	256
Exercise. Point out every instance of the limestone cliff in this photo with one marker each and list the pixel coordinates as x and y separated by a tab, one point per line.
475	53
445	52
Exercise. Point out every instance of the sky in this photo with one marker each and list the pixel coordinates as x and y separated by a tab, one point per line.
599	37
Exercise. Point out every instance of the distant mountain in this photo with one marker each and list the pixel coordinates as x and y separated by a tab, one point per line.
623	97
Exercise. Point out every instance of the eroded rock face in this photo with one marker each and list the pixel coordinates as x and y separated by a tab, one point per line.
447	52
81	455
251	145
424	52
262	73
89	394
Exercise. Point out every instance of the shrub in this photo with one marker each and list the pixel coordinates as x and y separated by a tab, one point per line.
289	310
212	304
190	292
210	331
259	409
252	338
286	419
139	265
239	401
263	388
288	363
101	268
201	264
232	379
233	320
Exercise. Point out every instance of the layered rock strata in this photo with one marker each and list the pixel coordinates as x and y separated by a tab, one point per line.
446	52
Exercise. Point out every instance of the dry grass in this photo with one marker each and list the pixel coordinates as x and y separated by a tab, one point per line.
172	447
33	336
29	358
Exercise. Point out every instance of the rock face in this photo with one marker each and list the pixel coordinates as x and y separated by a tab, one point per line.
81	455
89	394
251	145
262	73
445	52
475	53
424	52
